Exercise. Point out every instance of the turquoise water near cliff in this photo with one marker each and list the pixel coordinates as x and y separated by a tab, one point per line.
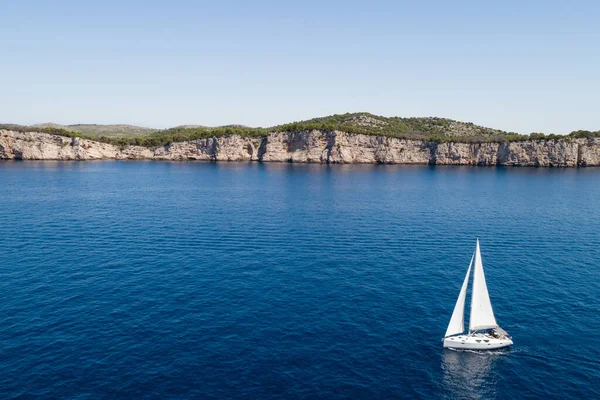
179	280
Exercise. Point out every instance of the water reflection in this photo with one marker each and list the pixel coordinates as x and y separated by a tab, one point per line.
470	374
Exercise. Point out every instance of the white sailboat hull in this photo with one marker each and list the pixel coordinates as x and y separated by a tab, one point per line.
476	342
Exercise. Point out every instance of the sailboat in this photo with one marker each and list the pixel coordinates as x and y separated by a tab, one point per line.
484	332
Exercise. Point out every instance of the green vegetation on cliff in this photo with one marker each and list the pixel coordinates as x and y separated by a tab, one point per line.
430	129
95	130
159	138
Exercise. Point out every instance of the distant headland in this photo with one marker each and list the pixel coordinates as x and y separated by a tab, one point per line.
344	138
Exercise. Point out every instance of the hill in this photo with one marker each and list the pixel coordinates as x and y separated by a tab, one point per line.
430	129
111	131
413	128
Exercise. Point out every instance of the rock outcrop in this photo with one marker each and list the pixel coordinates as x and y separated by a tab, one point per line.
310	147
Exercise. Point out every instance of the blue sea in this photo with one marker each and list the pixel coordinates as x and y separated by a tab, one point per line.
288	281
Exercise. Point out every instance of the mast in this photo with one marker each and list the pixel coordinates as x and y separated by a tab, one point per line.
457	321
482	314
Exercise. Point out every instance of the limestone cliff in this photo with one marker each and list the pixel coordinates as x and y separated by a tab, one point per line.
311	147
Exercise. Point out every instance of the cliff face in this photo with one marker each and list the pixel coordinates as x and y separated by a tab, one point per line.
312	147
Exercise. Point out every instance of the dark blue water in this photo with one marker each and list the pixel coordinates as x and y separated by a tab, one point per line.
178	280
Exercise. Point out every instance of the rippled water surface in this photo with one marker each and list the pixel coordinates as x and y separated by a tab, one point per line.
166	280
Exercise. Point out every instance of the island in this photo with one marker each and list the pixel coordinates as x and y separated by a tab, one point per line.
344	138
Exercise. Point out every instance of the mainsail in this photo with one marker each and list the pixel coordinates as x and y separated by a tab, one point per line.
457	322
482	315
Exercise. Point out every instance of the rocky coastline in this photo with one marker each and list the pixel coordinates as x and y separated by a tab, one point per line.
311	147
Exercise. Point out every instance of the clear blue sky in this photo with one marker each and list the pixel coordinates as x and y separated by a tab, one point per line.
515	65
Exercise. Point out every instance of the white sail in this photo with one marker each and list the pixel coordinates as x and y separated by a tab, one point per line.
457	322
482	315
